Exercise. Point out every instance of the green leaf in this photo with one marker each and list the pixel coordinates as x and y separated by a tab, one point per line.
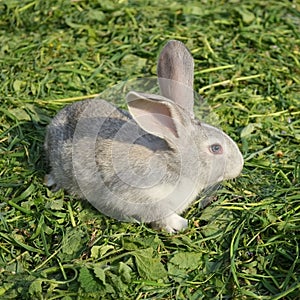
149	267
247	16
216	218
72	244
136	63
18	85
37	115
182	263
97	15
35	288
57	204
176	273
100	273
125	272
20	114
246	131
186	260
87	281
99	251
95	251
118	284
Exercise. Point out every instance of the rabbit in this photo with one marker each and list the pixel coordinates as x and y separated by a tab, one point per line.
147	164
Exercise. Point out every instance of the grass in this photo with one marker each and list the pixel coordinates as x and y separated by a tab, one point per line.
245	245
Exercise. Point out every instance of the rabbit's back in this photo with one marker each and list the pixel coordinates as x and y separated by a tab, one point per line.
75	119
99	138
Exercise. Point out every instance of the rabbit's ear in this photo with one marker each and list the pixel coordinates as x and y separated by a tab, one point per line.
159	116
175	71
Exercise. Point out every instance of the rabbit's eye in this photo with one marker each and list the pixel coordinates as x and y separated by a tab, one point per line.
216	149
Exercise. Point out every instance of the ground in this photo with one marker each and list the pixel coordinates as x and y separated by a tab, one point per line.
245	245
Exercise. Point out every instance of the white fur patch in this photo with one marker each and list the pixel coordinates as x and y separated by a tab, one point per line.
174	198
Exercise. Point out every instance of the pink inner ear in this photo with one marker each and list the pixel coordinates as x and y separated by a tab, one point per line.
154	117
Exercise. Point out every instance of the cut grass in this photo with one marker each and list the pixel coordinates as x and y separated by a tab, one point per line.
245	245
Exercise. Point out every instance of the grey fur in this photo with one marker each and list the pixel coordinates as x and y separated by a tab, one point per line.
146	165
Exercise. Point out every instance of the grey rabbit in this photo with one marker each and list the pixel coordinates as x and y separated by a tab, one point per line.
148	164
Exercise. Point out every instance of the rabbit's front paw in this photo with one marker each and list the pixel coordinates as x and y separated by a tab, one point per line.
50	183
171	224
49	180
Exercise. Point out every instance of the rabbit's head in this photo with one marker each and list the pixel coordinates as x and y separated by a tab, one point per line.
207	150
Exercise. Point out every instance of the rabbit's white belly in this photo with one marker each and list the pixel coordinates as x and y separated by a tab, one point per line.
173	197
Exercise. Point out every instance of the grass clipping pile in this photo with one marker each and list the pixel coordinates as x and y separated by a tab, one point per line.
245	244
